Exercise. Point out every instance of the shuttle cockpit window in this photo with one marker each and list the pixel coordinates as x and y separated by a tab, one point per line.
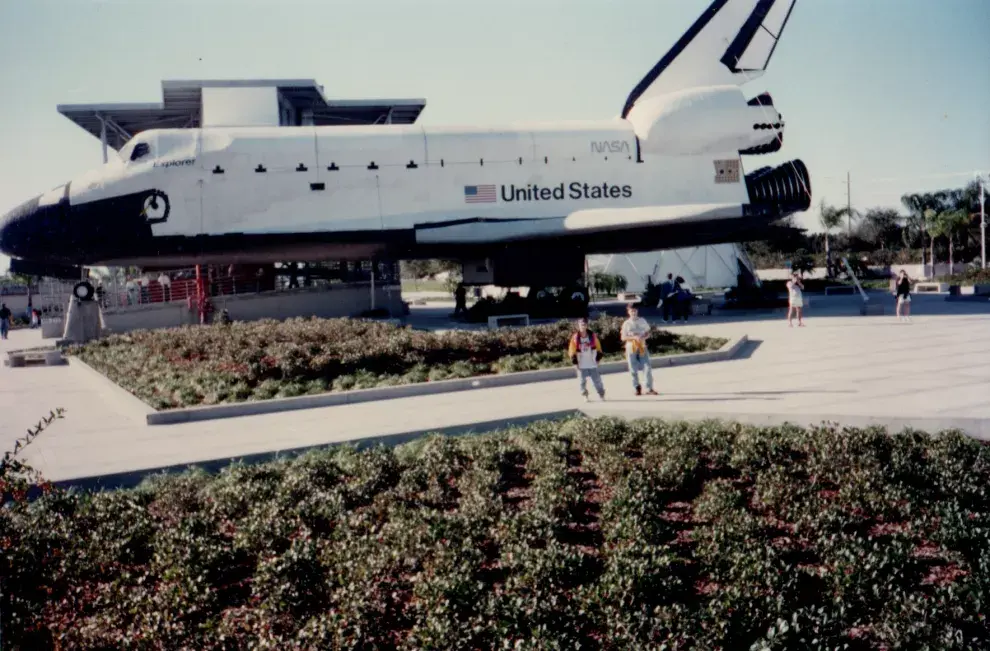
140	150
137	150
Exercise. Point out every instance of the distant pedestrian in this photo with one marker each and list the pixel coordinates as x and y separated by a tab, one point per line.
460	299
667	297
904	297
585	351
683	299
166	284
795	300
635	332
4	320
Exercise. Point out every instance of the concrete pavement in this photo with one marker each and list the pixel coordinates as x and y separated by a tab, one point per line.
932	374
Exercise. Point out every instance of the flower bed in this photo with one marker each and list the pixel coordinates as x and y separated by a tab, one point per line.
183	367
597	533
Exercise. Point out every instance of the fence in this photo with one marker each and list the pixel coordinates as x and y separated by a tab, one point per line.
179	285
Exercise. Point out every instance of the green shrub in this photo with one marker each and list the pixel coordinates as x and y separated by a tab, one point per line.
594	534
195	365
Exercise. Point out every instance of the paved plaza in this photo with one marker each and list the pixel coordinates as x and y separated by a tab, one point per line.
933	373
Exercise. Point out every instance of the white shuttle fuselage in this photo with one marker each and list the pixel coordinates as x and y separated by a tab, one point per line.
668	169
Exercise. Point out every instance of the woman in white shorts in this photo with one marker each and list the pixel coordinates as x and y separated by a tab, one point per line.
795	296
903	297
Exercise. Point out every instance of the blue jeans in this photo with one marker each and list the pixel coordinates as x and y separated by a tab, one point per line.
596	379
637	362
4	327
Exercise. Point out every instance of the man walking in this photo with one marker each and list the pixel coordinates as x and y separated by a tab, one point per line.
460	299
585	351
5	315
635	331
667	297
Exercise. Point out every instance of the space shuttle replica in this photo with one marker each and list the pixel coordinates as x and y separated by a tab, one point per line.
524	203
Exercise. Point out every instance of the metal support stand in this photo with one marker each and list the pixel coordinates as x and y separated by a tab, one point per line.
372	284
201	294
845	261
866	308
103	136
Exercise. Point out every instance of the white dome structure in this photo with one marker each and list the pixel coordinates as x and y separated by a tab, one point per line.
716	266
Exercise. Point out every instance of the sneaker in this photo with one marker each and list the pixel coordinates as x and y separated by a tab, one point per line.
651	392
586	398
602	396
639	391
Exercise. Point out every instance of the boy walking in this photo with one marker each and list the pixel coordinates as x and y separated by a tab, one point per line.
585	351
635	332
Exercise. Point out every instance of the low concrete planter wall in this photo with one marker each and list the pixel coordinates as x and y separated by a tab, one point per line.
232	410
971	290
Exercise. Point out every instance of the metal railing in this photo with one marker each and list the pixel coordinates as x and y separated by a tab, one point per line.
120	291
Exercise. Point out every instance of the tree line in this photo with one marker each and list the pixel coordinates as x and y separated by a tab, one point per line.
942	226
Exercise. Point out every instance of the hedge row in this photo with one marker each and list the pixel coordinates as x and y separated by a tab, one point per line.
195	365
591	534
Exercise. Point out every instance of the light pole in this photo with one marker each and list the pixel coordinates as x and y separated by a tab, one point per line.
983	225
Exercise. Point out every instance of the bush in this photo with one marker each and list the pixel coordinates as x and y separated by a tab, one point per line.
605	284
598	534
233	362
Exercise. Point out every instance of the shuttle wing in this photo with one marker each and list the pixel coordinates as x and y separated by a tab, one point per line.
607	219
730	43
581	222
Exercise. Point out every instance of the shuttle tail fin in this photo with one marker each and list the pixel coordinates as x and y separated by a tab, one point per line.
729	44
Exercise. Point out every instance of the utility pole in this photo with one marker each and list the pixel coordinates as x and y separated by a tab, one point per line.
983	225
849	206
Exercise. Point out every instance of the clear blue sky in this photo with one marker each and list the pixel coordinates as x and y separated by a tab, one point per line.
894	91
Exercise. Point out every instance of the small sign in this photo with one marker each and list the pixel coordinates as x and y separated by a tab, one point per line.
727	171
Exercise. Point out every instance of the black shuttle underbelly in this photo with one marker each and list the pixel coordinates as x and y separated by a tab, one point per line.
75	234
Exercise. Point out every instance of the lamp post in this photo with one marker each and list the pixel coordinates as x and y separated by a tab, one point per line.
983	224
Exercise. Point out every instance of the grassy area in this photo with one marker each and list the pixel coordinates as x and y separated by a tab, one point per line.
259	360
591	534
415	285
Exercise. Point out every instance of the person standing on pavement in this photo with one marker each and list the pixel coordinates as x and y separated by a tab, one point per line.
4	320
683	298
635	332
460	299
585	351
903	297
667	297
795	303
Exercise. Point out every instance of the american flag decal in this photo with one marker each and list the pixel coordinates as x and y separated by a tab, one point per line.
479	194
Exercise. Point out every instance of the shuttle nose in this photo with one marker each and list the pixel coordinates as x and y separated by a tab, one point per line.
17	228
38	229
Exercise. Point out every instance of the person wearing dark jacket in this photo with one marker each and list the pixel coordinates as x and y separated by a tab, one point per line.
4	320
667	298
903	293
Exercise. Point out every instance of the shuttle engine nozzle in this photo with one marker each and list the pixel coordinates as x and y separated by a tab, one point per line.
786	188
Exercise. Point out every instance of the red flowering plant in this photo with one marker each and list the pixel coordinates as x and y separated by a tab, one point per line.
195	365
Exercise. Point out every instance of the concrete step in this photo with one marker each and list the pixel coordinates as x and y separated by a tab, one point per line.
43	357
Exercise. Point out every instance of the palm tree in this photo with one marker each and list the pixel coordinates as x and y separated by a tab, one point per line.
968	200
831	218
918	205
950	223
935	227
878	226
